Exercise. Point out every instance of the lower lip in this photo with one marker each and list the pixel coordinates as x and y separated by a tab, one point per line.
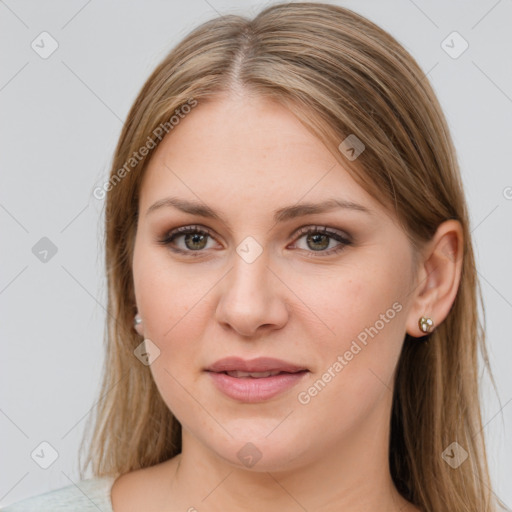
248	389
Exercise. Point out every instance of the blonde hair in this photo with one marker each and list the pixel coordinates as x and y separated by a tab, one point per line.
339	74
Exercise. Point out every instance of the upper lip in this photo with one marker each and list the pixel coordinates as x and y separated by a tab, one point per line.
260	364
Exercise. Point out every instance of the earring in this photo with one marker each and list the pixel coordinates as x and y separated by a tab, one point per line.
425	324
137	324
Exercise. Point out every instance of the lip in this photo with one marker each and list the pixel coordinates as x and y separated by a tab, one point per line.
250	389
260	364
253	390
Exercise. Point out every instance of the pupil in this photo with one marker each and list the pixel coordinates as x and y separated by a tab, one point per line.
316	237
195	236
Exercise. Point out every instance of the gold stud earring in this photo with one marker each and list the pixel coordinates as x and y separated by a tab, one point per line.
425	324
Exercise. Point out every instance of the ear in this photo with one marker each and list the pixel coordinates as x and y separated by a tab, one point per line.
438	277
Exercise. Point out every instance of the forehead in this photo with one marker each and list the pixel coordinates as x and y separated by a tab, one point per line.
245	148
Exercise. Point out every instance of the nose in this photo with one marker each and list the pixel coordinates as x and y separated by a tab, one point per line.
253	298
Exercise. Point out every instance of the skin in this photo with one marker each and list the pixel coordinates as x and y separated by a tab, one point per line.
246	157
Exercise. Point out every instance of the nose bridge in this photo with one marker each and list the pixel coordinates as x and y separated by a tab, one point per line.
250	293
248	277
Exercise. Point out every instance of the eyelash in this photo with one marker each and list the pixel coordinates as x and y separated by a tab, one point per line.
185	230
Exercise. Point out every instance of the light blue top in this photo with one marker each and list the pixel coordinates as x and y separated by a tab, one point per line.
91	495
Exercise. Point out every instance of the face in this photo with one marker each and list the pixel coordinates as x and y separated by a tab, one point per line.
325	293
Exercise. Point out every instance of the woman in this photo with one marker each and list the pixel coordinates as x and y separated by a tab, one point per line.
292	289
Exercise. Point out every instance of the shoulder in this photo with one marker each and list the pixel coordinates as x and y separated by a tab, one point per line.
145	488
87	495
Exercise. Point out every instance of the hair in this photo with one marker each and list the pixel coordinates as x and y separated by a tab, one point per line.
340	74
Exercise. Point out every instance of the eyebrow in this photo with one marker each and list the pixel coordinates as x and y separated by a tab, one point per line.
280	215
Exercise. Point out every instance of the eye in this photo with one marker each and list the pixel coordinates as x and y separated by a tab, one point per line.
319	238
195	240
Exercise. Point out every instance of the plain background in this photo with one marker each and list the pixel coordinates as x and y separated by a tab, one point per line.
61	117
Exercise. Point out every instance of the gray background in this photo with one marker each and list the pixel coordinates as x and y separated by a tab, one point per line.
61	117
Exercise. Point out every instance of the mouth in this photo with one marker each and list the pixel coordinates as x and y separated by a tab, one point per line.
254	380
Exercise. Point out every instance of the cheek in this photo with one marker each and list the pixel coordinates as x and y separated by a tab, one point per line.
173	314
357	298
164	294
366	311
